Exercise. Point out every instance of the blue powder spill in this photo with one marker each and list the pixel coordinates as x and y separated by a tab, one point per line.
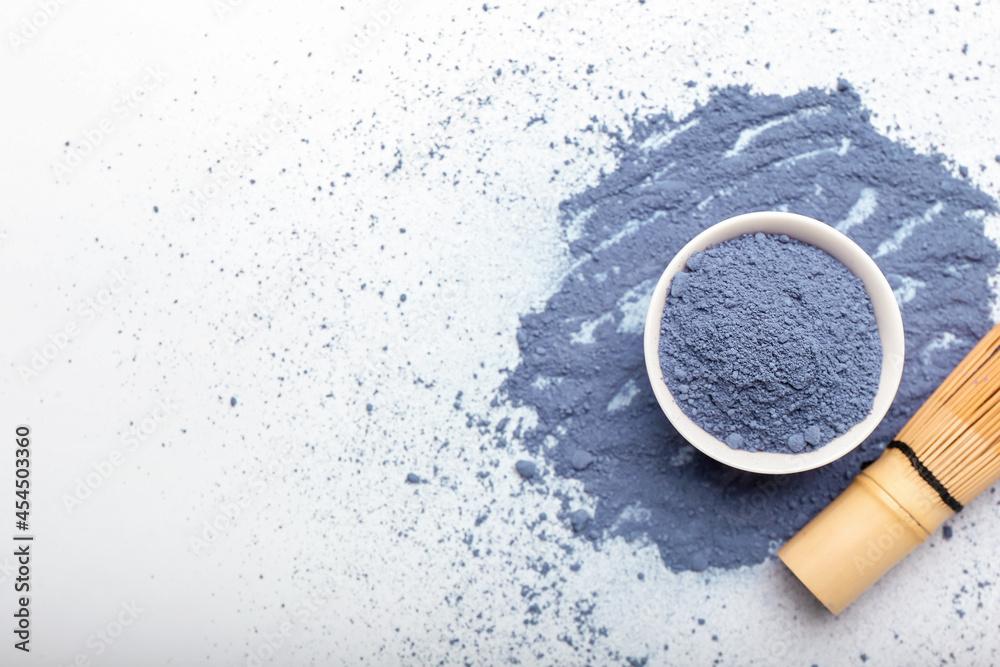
582	368
770	344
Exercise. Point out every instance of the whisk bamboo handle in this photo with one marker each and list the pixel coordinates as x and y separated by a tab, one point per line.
881	517
946	455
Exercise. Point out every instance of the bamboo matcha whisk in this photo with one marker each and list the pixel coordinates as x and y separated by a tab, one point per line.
946	455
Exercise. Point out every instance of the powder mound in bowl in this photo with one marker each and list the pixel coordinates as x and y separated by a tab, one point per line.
770	344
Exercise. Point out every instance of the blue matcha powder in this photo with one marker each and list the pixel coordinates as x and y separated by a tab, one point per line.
770	344
581	369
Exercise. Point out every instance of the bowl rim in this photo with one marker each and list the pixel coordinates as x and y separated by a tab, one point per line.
887	317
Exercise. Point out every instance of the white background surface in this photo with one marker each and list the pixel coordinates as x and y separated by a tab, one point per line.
259	298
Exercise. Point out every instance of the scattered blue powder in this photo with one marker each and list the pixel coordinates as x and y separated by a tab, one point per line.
813	153
770	344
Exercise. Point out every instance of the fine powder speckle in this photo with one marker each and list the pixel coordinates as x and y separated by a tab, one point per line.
814	153
770	344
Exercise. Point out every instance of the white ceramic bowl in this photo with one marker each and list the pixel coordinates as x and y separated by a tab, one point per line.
887	317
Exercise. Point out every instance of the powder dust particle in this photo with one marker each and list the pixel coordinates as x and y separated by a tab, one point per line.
770	344
579	520
580	460
526	469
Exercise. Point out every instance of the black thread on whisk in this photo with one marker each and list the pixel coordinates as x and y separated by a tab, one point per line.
926	474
